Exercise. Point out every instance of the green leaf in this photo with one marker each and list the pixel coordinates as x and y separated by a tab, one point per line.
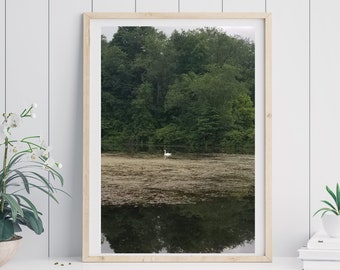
30	204
15	207
39	165
338	196
43	179
6	228
326	210
16	227
55	173
45	191
24	179
29	219
329	204
332	194
62	191
15	159
48	185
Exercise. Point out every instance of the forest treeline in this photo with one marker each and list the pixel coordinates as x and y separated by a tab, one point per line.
191	91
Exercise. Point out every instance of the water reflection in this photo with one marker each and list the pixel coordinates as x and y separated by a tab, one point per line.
220	225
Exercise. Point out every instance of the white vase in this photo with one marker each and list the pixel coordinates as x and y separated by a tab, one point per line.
8	249
331	224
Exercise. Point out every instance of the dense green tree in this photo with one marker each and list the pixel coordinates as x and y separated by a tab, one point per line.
241	138
191	51
142	122
131	40
192	90
202	105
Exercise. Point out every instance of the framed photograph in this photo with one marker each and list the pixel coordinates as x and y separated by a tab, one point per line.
177	137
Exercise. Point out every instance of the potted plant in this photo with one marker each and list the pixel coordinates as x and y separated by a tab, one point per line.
26	165
331	213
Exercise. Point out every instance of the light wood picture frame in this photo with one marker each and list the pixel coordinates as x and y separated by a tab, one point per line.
150	207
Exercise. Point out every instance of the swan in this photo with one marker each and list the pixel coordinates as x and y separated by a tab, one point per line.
166	155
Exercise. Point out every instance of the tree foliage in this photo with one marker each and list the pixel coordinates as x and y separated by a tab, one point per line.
191	91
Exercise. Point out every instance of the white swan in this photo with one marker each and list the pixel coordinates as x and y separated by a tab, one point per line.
166	155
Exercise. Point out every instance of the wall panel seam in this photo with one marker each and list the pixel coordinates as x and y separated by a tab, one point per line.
309	113
49	114
5	47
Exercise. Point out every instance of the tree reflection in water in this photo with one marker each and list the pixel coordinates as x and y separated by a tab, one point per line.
206	227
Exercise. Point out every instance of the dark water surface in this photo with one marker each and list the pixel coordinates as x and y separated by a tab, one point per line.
219	225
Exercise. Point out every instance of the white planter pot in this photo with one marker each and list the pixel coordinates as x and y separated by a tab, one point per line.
8	249
331	224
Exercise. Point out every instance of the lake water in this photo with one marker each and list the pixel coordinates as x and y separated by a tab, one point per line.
220	225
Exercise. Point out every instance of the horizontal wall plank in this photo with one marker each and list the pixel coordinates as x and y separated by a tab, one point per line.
157	6
200	6
244	5
114	6
27	82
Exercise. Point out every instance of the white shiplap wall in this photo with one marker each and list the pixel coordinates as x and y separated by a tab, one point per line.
114	6
41	42
2	54
200	6
290	125
27	82
325	100
66	120
244	5
154	6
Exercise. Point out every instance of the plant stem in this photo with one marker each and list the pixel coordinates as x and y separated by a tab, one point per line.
3	190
